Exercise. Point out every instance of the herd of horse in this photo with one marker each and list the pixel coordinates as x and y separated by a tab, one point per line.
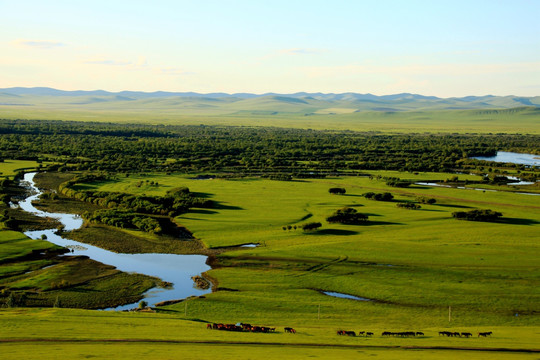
266	329
247	328
464	334
413	333
352	333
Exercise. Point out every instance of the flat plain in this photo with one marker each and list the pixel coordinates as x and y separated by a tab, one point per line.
413	270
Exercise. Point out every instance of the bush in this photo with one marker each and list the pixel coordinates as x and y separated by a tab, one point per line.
311	226
477	215
425	200
408	205
347	215
339	191
379	196
396	182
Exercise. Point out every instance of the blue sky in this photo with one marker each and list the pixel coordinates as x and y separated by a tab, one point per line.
441	48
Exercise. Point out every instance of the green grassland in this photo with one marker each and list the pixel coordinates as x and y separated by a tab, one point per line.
282	112
413	264
51	333
8	168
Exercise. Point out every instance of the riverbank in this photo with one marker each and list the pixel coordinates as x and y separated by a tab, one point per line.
170	268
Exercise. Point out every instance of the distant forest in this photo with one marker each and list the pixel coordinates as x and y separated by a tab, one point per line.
249	150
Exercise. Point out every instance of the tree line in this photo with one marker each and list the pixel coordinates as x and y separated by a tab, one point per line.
277	152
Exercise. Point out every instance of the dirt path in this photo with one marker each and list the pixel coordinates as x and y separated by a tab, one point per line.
247	343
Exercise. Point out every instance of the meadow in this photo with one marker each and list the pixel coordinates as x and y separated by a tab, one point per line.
412	264
277	112
416	270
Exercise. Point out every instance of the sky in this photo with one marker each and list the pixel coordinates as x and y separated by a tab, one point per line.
432	47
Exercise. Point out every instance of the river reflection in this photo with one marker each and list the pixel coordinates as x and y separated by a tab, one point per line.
176	269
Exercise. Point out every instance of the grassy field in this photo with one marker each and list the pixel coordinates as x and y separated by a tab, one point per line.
10	167
50	333
520	120
412	264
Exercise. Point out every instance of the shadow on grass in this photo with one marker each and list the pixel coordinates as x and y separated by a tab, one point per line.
335	232
221	206
202	211
370	223
303	218
202	195
517	221
454	206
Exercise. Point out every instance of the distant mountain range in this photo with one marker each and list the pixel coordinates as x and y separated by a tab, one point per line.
245	103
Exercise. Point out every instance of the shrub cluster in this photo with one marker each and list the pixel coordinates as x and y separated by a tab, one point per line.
409	205
425	200
477	215
125	219
311	226
175	202
347	215
379	196
397	182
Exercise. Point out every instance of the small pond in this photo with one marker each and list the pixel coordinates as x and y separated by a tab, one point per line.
512	157
176	269
345	296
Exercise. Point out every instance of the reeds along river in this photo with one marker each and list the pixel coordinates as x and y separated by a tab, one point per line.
172	268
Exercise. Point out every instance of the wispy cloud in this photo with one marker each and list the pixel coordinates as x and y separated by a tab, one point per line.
301	51
138	65
175	71
422	69
108	62
40	44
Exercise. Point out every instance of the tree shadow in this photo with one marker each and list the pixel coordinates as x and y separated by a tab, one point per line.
202	211
454	206
221	206
353	195
370	223
517	221
415	187
336	232
303	218
202	195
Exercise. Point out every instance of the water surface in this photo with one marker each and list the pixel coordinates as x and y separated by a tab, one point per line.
173	268
512	157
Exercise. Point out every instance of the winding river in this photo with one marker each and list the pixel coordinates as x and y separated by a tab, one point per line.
176	269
